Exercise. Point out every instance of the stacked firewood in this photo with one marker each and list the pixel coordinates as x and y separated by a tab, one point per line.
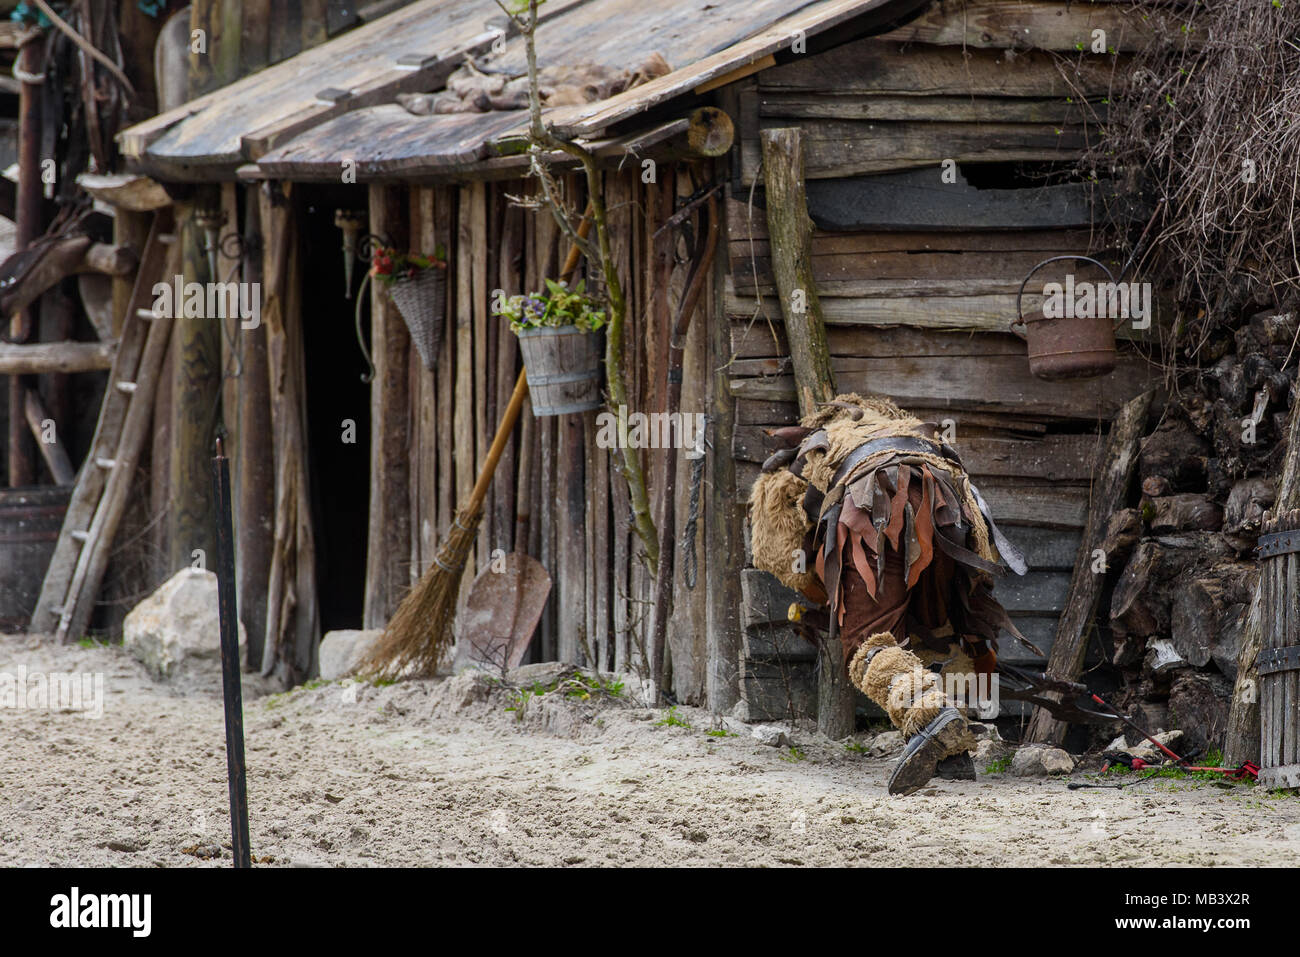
1208	471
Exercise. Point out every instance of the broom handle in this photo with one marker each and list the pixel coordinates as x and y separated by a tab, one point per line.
521	390
499	443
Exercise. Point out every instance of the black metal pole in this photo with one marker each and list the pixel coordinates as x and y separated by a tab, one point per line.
231	688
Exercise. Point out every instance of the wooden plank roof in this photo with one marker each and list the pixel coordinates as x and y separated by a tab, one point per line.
315	93
361	68
704	41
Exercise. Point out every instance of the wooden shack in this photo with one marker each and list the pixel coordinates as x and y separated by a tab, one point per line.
941	145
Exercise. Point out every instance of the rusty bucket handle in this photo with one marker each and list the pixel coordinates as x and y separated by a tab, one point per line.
1020	319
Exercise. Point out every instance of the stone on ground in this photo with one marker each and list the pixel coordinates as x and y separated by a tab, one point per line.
341	651
1039	760
178	625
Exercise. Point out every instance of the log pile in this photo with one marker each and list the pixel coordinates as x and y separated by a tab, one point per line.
1183	573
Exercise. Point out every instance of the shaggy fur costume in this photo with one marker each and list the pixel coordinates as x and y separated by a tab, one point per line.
896	543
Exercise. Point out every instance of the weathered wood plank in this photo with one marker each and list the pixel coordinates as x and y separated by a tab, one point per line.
1113	475
747	229
756	339
986	383
877	65
840	148
821	105
903	274
1017	24
1067	458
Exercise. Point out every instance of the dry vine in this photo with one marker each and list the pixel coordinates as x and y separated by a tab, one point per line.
542	140
1209	121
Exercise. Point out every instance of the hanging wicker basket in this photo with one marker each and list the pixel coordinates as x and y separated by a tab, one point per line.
564	365
422	301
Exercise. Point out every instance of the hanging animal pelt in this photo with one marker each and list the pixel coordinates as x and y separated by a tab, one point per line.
474	88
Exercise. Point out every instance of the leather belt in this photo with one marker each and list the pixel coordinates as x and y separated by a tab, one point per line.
903	444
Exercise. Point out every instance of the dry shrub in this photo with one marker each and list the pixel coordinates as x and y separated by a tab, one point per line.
1209	120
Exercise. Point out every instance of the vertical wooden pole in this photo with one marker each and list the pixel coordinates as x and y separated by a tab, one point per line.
255	476
791	232
30	196
1113	475
444	213
292	622
388	542
196	381
463	432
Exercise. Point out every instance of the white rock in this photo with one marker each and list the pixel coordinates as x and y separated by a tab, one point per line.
887	743
987	751
342	651
1147	751
177	625
1162	656
771	735
1036	761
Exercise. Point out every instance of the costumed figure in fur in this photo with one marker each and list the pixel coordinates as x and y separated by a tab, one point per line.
869	513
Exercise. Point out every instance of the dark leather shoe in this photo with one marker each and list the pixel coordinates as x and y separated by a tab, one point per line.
957	767
940	738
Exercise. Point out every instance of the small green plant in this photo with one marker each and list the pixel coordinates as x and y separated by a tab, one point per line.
721	733
856	747
793	755
672	719
558	306
998	765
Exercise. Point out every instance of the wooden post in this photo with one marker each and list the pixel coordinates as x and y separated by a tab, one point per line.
1242	742
22	450
724	536
292	622
255	476
1113	475
791	231
196	382
388	546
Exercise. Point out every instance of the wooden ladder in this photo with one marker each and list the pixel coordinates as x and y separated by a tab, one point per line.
81	554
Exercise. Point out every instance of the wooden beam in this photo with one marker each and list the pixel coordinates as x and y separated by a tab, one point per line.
139	194
1017	24
292	622
388	543
255	479
1076	622
791	234
63	258
195	382
56	458
47	357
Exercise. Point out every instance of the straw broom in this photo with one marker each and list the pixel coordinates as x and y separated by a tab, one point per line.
420	634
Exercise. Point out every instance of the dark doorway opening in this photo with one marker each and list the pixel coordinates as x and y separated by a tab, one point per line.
338	407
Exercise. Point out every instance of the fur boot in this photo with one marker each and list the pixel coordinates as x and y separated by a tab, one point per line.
912	696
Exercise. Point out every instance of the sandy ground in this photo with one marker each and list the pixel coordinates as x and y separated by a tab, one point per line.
441	773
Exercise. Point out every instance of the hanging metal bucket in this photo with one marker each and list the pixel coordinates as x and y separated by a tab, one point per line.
563	366
1077	347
